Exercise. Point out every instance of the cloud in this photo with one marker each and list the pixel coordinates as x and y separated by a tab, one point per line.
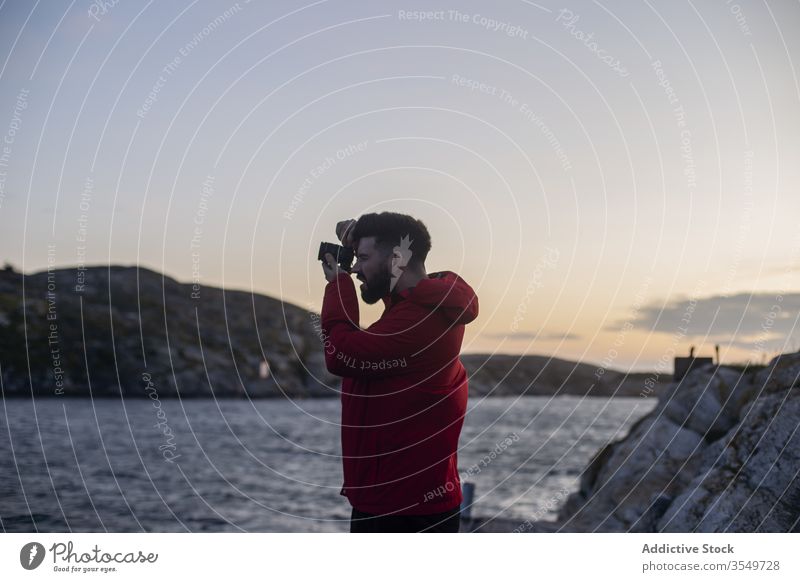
529	335
786	269
745	320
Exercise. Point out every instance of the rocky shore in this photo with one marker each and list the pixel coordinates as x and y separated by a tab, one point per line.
719	453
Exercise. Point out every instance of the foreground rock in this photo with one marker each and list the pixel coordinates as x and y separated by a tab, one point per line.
719	453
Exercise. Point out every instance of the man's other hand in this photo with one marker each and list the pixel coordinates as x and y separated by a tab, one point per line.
344	231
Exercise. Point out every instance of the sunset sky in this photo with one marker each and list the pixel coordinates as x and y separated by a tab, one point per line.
616	181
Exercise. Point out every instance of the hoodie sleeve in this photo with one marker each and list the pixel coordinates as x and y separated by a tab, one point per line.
383	350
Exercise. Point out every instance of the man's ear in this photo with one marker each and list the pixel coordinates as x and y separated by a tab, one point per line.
397	261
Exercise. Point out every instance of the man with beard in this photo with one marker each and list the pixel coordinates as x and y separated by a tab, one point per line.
404	389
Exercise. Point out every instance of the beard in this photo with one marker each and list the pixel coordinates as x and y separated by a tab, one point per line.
377	287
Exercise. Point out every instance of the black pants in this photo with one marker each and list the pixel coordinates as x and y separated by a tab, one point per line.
446	522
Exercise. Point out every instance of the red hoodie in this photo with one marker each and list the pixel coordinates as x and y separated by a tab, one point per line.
404	393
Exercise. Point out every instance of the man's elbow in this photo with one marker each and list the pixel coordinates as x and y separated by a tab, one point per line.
333	365
342	367
338	365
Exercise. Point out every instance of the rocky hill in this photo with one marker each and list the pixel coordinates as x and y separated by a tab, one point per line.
719	453
140	333
132	327
507	375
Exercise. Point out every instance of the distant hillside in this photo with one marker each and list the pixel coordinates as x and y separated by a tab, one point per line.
136	322
140	333
506	375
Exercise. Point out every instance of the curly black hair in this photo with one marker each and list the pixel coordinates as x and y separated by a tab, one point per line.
389	228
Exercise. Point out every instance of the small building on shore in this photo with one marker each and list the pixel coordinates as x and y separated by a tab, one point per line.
685	365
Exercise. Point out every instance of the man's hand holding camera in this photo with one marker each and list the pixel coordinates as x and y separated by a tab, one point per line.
330	267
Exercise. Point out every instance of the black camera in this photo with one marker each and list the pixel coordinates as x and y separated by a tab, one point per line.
343	255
